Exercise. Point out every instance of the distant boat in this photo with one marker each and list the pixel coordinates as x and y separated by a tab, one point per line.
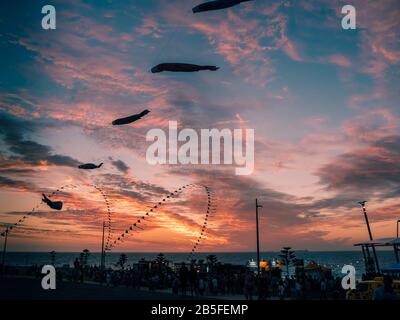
251	264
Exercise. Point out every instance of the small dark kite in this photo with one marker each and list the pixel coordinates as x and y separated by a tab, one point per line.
90	166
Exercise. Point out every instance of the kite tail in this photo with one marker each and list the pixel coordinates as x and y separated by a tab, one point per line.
211	68
100	165
44	199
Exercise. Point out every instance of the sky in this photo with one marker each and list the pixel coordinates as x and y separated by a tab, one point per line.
323	102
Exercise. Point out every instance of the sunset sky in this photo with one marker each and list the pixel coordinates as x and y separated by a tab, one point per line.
323	101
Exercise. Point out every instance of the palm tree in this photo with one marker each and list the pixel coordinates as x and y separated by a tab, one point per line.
123	259
84	257
212	259
160	259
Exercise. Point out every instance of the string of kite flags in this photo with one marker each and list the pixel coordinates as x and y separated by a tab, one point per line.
109	245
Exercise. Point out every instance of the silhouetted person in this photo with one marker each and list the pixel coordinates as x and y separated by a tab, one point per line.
183	276
249	285
193	280
263	285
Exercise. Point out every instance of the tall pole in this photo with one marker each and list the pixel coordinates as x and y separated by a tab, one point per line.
362	203
4	250
102	249
258	238
398	222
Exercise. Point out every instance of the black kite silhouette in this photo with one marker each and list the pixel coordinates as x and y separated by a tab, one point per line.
181	67
130	119
217	5
56	205
90	166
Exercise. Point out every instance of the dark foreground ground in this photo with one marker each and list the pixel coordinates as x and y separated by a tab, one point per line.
13	288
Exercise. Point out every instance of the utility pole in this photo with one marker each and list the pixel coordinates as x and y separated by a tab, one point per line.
102	249
362	204
258	238
398	221
4	250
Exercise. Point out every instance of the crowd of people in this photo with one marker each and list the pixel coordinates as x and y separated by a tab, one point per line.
213	281
252	286
188	280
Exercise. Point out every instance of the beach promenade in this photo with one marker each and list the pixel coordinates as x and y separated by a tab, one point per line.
25	288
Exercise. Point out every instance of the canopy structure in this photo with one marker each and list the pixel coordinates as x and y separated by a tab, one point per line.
384	242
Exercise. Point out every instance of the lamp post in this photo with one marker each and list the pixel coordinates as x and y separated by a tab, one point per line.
102	249
258	238
397	246
4	249
362	204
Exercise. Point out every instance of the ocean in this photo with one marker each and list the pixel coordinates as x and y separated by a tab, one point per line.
331	259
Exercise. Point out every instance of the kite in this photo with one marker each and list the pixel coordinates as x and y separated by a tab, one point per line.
130	119
90	166
217	5
56	205
181	67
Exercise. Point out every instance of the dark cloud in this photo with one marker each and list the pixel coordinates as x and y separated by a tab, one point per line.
133	189
239	193
14	132
11	183
371	171
120	165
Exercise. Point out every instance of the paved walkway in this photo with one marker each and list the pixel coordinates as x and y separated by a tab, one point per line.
28	288
19	288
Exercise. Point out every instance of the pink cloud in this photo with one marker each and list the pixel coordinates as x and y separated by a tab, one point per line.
371	125
340	60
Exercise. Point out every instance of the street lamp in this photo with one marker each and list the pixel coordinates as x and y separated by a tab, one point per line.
5	234
362	204
258	237
102	263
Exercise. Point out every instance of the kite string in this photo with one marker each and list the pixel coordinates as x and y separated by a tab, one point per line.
109	213
35	208
209	212
135	225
